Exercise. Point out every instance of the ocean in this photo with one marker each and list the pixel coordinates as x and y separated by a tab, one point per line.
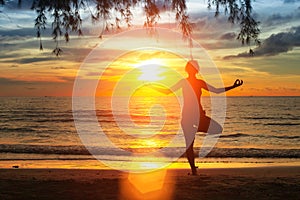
40	132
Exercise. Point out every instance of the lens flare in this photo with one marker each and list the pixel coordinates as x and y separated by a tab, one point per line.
122	75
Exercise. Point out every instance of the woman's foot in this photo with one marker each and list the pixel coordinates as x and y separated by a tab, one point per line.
194	170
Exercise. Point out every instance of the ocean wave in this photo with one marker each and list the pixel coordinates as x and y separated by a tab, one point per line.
281	124
234	135
238	135
18	129
285	137
292	118
169	152
54	120
254	153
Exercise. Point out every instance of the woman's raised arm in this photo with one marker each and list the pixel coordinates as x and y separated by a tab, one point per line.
211	88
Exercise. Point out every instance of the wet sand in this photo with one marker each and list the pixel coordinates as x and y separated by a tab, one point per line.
215	183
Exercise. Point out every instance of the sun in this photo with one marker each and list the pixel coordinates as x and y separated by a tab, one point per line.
151	70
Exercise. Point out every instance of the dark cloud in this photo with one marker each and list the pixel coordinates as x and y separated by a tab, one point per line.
14	5
290	1
15	87
23	32
275	44
228	36
34	60
277	18
8	81
163	5
12	81
199	23
11	43
67	79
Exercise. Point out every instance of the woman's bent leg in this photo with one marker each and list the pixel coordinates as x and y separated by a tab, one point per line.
210	126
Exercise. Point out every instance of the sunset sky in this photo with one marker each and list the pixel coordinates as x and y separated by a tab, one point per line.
273	71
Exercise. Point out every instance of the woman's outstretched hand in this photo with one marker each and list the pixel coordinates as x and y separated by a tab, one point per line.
238	83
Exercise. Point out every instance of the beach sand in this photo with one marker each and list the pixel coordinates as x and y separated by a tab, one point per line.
232	183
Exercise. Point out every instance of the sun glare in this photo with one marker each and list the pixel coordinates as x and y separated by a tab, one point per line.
151	70
138	68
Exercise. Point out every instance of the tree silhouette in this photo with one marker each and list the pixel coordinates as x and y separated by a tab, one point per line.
66	16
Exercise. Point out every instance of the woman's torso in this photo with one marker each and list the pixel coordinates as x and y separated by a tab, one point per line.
192	91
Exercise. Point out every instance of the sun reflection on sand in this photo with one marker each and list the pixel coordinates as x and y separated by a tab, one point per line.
151	185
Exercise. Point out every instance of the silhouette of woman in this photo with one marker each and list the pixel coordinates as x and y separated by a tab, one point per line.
192	90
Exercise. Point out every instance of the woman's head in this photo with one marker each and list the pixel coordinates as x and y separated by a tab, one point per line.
192	67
